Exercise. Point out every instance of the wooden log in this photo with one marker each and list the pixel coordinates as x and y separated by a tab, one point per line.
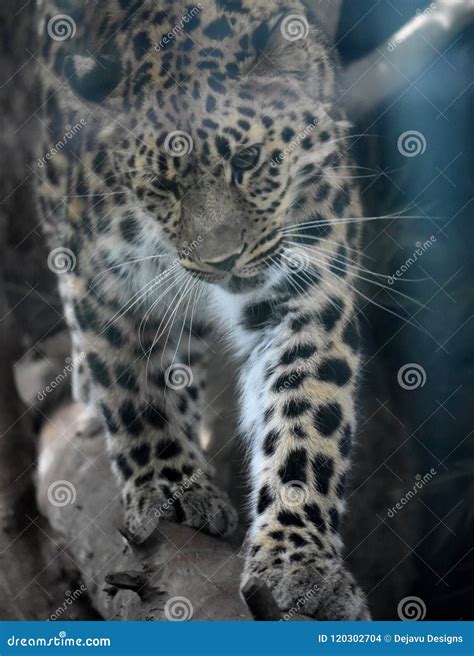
177	574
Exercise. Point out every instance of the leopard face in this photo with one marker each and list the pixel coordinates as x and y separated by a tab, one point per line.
232	186
218	165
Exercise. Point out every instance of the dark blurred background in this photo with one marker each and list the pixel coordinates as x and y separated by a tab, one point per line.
437	186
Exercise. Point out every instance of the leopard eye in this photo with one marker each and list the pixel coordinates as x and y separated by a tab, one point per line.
164	187
247	159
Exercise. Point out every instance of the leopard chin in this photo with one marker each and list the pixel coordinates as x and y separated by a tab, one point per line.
239	285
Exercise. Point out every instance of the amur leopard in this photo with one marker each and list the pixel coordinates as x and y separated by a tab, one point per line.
202	185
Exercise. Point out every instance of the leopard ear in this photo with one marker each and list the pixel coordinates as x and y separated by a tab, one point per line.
93	78
297	48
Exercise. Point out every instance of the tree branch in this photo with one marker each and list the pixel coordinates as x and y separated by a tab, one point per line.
176	571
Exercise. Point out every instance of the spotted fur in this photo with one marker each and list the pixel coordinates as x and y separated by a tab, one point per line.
251	221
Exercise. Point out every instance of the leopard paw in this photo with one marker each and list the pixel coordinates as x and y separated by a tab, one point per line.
321	588
195	503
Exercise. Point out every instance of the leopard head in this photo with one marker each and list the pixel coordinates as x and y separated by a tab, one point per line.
219	125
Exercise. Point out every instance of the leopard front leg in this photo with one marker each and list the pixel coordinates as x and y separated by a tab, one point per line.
149	397
298	412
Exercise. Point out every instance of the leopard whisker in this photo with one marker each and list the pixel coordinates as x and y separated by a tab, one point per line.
386	309
328	176
177	281
174	280
359	219
183	280
332	220
184	292
141	293
350	262
357	251
191	291
127	263
197	297
171	277
298	288
396	292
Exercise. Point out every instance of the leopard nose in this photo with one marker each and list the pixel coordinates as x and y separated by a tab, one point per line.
223	264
